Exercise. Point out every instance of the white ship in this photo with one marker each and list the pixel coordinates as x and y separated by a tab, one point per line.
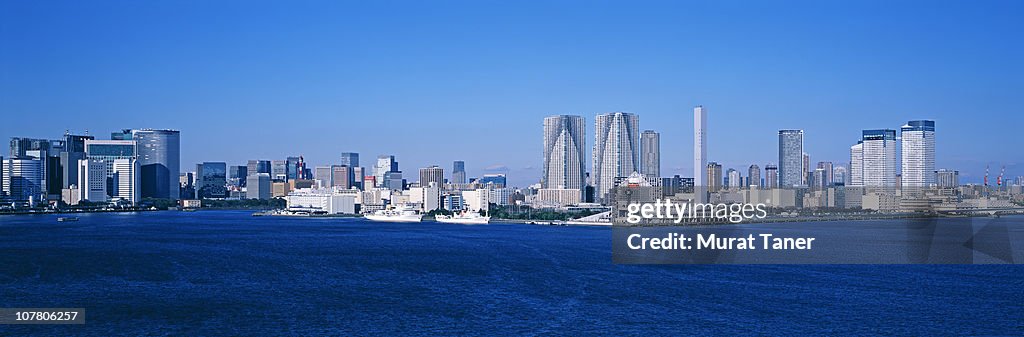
467	218
395	215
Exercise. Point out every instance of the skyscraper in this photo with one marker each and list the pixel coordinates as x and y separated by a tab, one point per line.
616	150
211	180
700	149
650	154
255	167
23	179
771	176
947	178
714	176
791	158
385	164
918	140
432	174
159	156
857	164
564	153
323	175
826	175
342	176
458	173
108	151
754	176
293	170
126	180
879	158
92	180
350	159
279	170
733	178
840	175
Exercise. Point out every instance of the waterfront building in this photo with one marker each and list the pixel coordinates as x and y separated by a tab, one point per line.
92	180
791	155
127	180
110	150
258	186
650	154
433	175
771	176
358	177
700	159
211	181
616	150
948	178
754	176
385	164
323	174
840	175
879	158
733	179
918	160
159	158
341	176
857	164
23	179
714	177
557	197
564	153
321	201
826	178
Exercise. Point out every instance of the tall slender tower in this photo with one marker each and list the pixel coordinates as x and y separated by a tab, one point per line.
650	154
879	158
918	140
616	150
791	158
700	150
564	153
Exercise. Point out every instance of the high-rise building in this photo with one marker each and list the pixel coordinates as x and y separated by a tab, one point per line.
432	174
918	144
791	152
255	167
564	153
393	180
279	170
840	175
650	154
92	180
879	158
293	171
350	159
754	176
826	175
110	150
947	178
771	176
857	164
341	176
714	177
23	179
733	179
616	150
47	152
358	176
159	157
126	181
819	179
211	180
385	164
497	179
236	175
807	169
258	186
700	149
323	175
458	172
74	150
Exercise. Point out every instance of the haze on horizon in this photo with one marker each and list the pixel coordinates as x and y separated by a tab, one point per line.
437	81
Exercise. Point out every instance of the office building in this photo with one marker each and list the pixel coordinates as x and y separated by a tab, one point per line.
700	154
650	154
918	160
236	175
279	170
458	172
385	164
110	150
733	179
432	174
74	150
341	176
293	169
878	158
857	164
840	175
92	180
211	180
159	156
127	180
498	180
322	174
791	158
255	167
564	154
350	159
616	150
258	186
23	179
947	178
826	176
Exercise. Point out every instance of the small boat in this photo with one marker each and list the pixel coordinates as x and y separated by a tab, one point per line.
465	218
395	215
67	219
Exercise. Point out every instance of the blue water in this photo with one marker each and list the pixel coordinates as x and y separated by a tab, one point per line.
227	273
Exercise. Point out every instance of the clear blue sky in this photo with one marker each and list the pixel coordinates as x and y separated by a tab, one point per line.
436	81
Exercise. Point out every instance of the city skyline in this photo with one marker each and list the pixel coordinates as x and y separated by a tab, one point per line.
315	98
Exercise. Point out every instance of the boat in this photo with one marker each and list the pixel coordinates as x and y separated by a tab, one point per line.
465	218
67	219
395	215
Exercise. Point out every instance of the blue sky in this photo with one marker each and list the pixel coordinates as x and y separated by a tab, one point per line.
436	81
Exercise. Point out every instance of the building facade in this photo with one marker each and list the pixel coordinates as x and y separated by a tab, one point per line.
564	153
791	158
616	150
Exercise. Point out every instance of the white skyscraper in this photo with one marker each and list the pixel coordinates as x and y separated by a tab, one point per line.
857	164
564	153
791	158
92	180
126	180
918	140
879	158
616	150
700	151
